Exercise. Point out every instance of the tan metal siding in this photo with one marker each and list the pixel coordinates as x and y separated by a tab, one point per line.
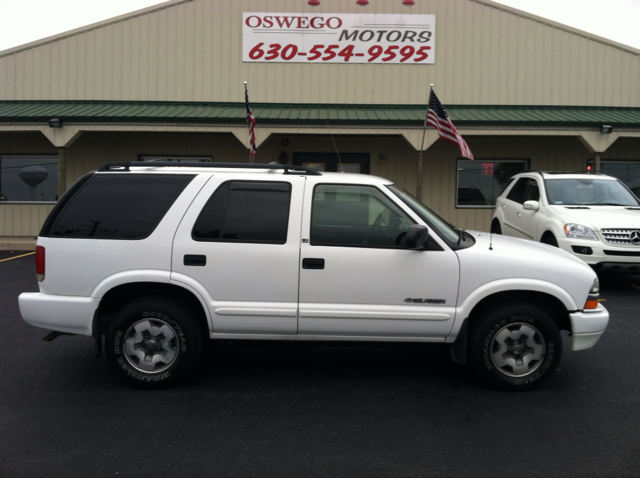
92	150
192	51
22	220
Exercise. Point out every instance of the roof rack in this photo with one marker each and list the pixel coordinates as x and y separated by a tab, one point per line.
568	172
127	165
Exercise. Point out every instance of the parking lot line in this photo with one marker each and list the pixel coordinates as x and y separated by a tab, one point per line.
636	286
17	257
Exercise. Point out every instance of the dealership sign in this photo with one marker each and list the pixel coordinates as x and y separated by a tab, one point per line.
338	38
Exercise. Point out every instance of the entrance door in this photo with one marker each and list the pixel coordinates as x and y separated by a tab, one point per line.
351	162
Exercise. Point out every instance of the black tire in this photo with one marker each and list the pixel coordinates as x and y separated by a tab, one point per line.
495	228
153	343
550	239
514	346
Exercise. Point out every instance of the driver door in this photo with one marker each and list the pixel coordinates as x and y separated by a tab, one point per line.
358	279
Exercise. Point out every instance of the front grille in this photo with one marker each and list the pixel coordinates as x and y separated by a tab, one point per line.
622	237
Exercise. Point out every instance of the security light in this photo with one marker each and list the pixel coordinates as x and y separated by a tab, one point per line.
606	129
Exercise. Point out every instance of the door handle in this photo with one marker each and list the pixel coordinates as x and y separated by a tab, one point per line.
195	260
313	263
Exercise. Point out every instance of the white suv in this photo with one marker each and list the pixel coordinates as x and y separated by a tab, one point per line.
158	257
593	216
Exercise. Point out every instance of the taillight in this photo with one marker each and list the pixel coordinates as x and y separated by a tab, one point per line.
40	263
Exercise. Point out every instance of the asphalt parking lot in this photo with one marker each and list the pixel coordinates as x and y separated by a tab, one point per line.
340	411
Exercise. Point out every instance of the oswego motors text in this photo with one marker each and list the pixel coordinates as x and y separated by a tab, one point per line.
338	38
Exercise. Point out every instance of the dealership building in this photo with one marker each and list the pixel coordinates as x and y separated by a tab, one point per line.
333	84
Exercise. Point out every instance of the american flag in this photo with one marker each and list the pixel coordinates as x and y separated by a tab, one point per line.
251	121
439	119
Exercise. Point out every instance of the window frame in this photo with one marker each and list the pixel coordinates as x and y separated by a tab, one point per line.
497	190
32	156
362	246
67	203
227	185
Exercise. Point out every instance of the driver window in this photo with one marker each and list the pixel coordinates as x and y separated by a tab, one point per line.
346	215
533	193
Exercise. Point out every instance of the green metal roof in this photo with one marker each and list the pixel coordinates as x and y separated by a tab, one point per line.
320	114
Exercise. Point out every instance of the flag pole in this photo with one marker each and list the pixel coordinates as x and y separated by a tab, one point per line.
420	153
251	123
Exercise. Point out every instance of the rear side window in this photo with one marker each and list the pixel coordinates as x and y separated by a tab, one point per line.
246	211
119	206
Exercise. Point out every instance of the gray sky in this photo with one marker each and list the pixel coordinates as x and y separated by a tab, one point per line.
23	21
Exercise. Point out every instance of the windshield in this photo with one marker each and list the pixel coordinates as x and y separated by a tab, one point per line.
588	192
444	229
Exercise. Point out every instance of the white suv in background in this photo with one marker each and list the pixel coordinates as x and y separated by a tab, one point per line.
593	216
154	258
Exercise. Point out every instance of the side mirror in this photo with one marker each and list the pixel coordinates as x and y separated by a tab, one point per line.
417	236
531	205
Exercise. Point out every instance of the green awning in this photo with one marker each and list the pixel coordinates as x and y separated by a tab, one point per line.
312	114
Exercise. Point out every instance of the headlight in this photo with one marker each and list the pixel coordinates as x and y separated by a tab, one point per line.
577	231
594	294
595	288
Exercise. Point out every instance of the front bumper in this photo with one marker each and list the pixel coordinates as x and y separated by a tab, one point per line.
599	253
72	315
587	326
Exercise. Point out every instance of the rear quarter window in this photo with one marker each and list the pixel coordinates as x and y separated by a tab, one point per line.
118	206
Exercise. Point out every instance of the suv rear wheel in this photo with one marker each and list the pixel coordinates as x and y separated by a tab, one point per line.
153	343
514	347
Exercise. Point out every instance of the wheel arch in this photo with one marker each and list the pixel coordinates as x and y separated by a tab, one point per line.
119	296
547	233
551	304
547	302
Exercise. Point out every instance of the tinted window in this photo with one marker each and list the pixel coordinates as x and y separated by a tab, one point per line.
246	211
356	216
518	190
533	192
119	206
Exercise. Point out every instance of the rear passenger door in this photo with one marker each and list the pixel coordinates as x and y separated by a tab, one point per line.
238	247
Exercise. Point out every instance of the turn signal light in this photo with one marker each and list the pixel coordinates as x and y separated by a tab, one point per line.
40	263
591	304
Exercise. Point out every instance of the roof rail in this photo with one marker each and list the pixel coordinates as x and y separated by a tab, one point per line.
568	172
127	165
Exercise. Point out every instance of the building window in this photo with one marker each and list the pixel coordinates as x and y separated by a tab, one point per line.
626	171
481	181
28	179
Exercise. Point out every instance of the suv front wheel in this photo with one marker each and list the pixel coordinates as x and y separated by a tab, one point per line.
514	346
153	343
